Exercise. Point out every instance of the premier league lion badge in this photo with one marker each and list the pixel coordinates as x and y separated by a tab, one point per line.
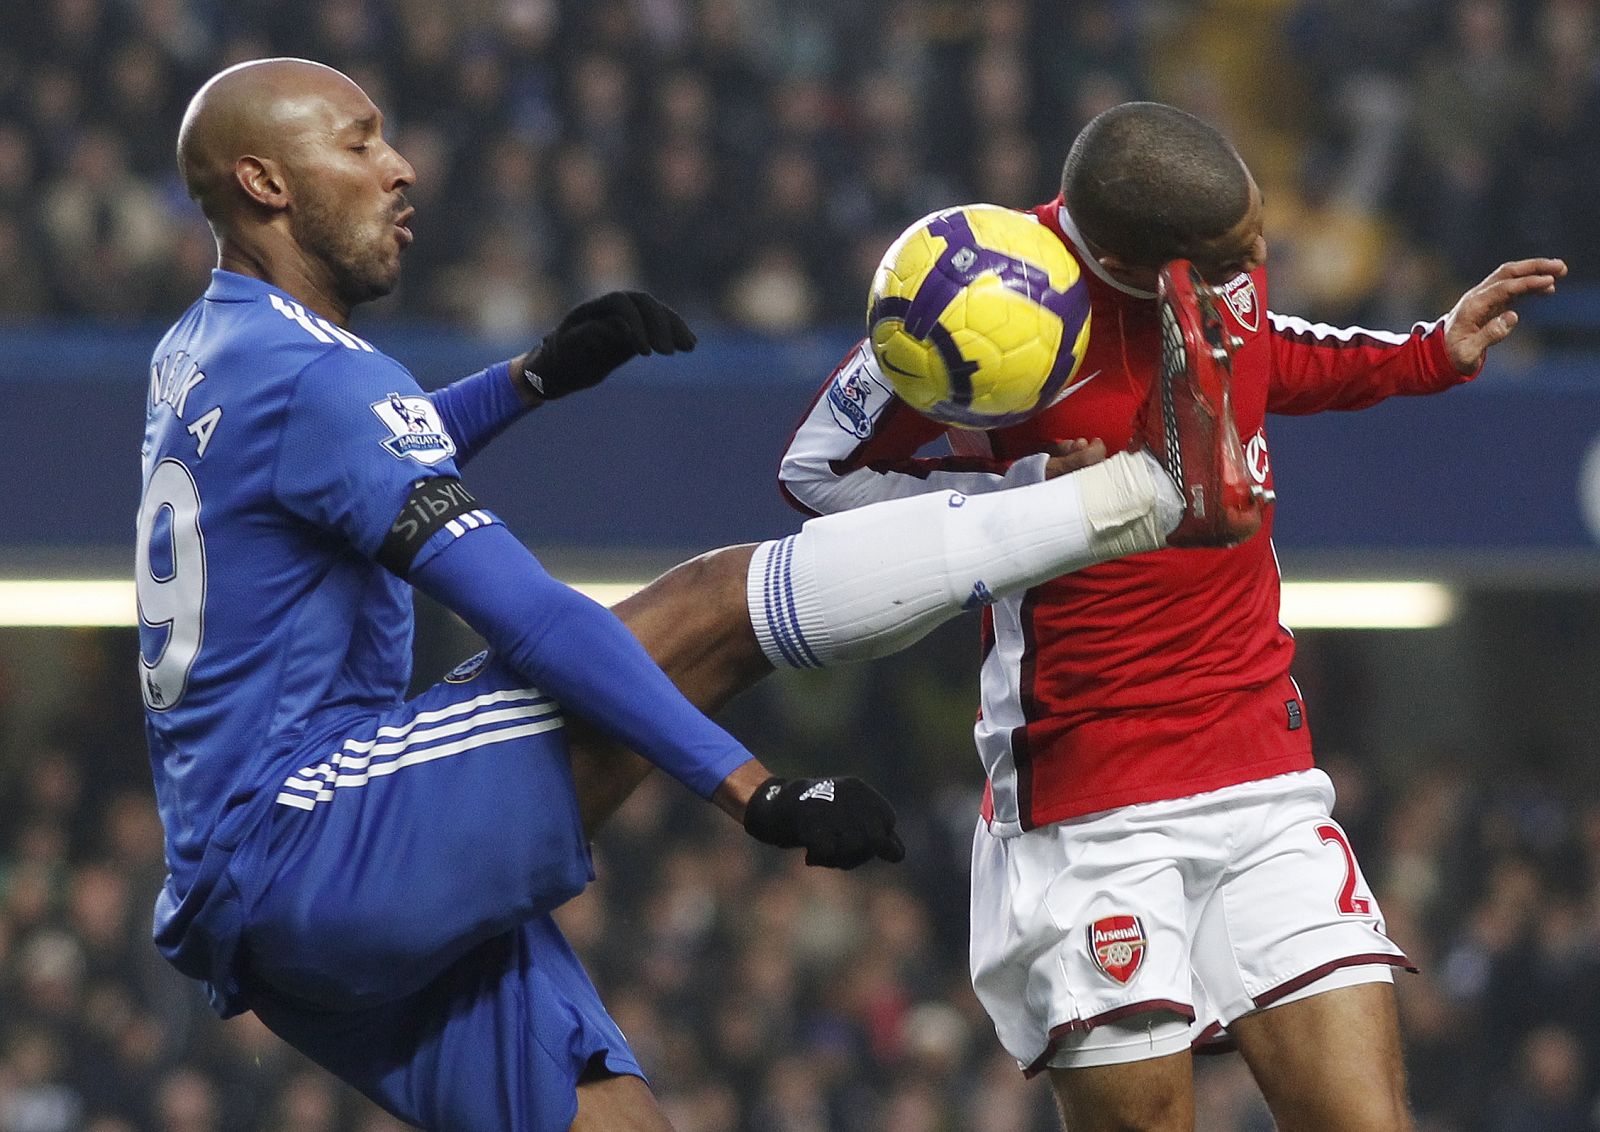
855	399
1117	944
415	429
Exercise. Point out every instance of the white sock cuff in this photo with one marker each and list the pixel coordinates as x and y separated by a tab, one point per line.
787	618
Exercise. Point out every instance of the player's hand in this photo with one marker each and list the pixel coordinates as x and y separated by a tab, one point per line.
598	336
1483	316
840	822
1073	455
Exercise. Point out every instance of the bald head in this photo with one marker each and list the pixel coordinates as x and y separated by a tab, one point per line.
288	161
264	109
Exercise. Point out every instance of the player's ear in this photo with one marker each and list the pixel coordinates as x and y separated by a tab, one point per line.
262	180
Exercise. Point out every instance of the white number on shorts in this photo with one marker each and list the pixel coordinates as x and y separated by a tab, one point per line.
177	600
1349	903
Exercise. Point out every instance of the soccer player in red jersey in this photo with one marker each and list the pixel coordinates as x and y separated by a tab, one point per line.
1156	857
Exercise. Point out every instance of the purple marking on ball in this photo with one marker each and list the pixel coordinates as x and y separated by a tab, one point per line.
1072	315
963	260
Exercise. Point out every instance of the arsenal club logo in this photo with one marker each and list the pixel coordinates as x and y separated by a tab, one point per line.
1242	301
1117	944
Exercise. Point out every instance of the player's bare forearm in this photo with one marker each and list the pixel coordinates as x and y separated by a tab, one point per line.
1483	316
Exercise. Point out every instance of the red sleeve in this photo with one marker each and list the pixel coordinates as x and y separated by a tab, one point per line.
1317	367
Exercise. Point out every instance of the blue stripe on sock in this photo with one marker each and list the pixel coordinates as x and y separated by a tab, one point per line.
774	614
794	609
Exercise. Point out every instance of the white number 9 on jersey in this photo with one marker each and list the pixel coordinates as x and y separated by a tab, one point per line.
175	599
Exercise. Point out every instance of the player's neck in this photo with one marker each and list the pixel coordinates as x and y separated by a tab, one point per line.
289	270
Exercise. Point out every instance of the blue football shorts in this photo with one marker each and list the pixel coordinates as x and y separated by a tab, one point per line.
401	934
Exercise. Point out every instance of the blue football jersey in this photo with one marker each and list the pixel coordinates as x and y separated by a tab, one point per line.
278	451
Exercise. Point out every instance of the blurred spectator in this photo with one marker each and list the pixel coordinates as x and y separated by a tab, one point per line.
1473	97
107	228
1548	1095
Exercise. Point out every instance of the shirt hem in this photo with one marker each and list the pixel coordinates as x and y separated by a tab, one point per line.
1165	792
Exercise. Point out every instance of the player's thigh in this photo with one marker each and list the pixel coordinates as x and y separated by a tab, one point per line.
694	621
618	1104
1330	1062
1155	1095
413	837
1292	907
499	1042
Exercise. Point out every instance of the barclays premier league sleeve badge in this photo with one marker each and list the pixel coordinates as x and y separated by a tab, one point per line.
415	430
856	398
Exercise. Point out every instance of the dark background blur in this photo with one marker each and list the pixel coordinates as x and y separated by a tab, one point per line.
749	160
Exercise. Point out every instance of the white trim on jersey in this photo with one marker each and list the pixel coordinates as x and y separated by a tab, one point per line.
1290	324
316	326
1081	246
346	339
361	760
1000	693
1277	568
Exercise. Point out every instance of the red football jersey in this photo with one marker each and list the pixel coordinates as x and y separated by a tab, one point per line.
1150	677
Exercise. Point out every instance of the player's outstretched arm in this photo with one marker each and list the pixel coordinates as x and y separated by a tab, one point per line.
591	341
579	653
1483	316
1317	367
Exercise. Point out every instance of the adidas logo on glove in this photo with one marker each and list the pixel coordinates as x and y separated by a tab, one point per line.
822	790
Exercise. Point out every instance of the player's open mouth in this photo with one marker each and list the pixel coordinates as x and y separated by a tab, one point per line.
402	227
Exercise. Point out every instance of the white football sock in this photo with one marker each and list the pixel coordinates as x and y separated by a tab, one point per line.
867	583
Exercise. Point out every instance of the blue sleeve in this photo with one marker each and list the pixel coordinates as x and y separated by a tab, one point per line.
358	436
479	408
577	651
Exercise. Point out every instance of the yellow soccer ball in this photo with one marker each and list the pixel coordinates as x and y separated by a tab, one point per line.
978	316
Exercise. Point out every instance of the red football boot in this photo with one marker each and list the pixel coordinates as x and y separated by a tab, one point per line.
1187	422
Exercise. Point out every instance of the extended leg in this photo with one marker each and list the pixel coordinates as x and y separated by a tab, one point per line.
867	583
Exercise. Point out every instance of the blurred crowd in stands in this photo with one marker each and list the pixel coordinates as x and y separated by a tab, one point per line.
750	159
761	995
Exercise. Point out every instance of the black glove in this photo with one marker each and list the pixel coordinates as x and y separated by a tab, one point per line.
598	336
842	822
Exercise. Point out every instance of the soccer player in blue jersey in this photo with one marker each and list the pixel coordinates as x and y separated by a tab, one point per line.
374	875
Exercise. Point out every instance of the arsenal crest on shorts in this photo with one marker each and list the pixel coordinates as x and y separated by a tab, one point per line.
1117	944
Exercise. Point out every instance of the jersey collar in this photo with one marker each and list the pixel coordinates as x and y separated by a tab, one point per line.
1085	257
231	287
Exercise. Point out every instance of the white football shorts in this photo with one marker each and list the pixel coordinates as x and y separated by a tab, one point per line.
1136	932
